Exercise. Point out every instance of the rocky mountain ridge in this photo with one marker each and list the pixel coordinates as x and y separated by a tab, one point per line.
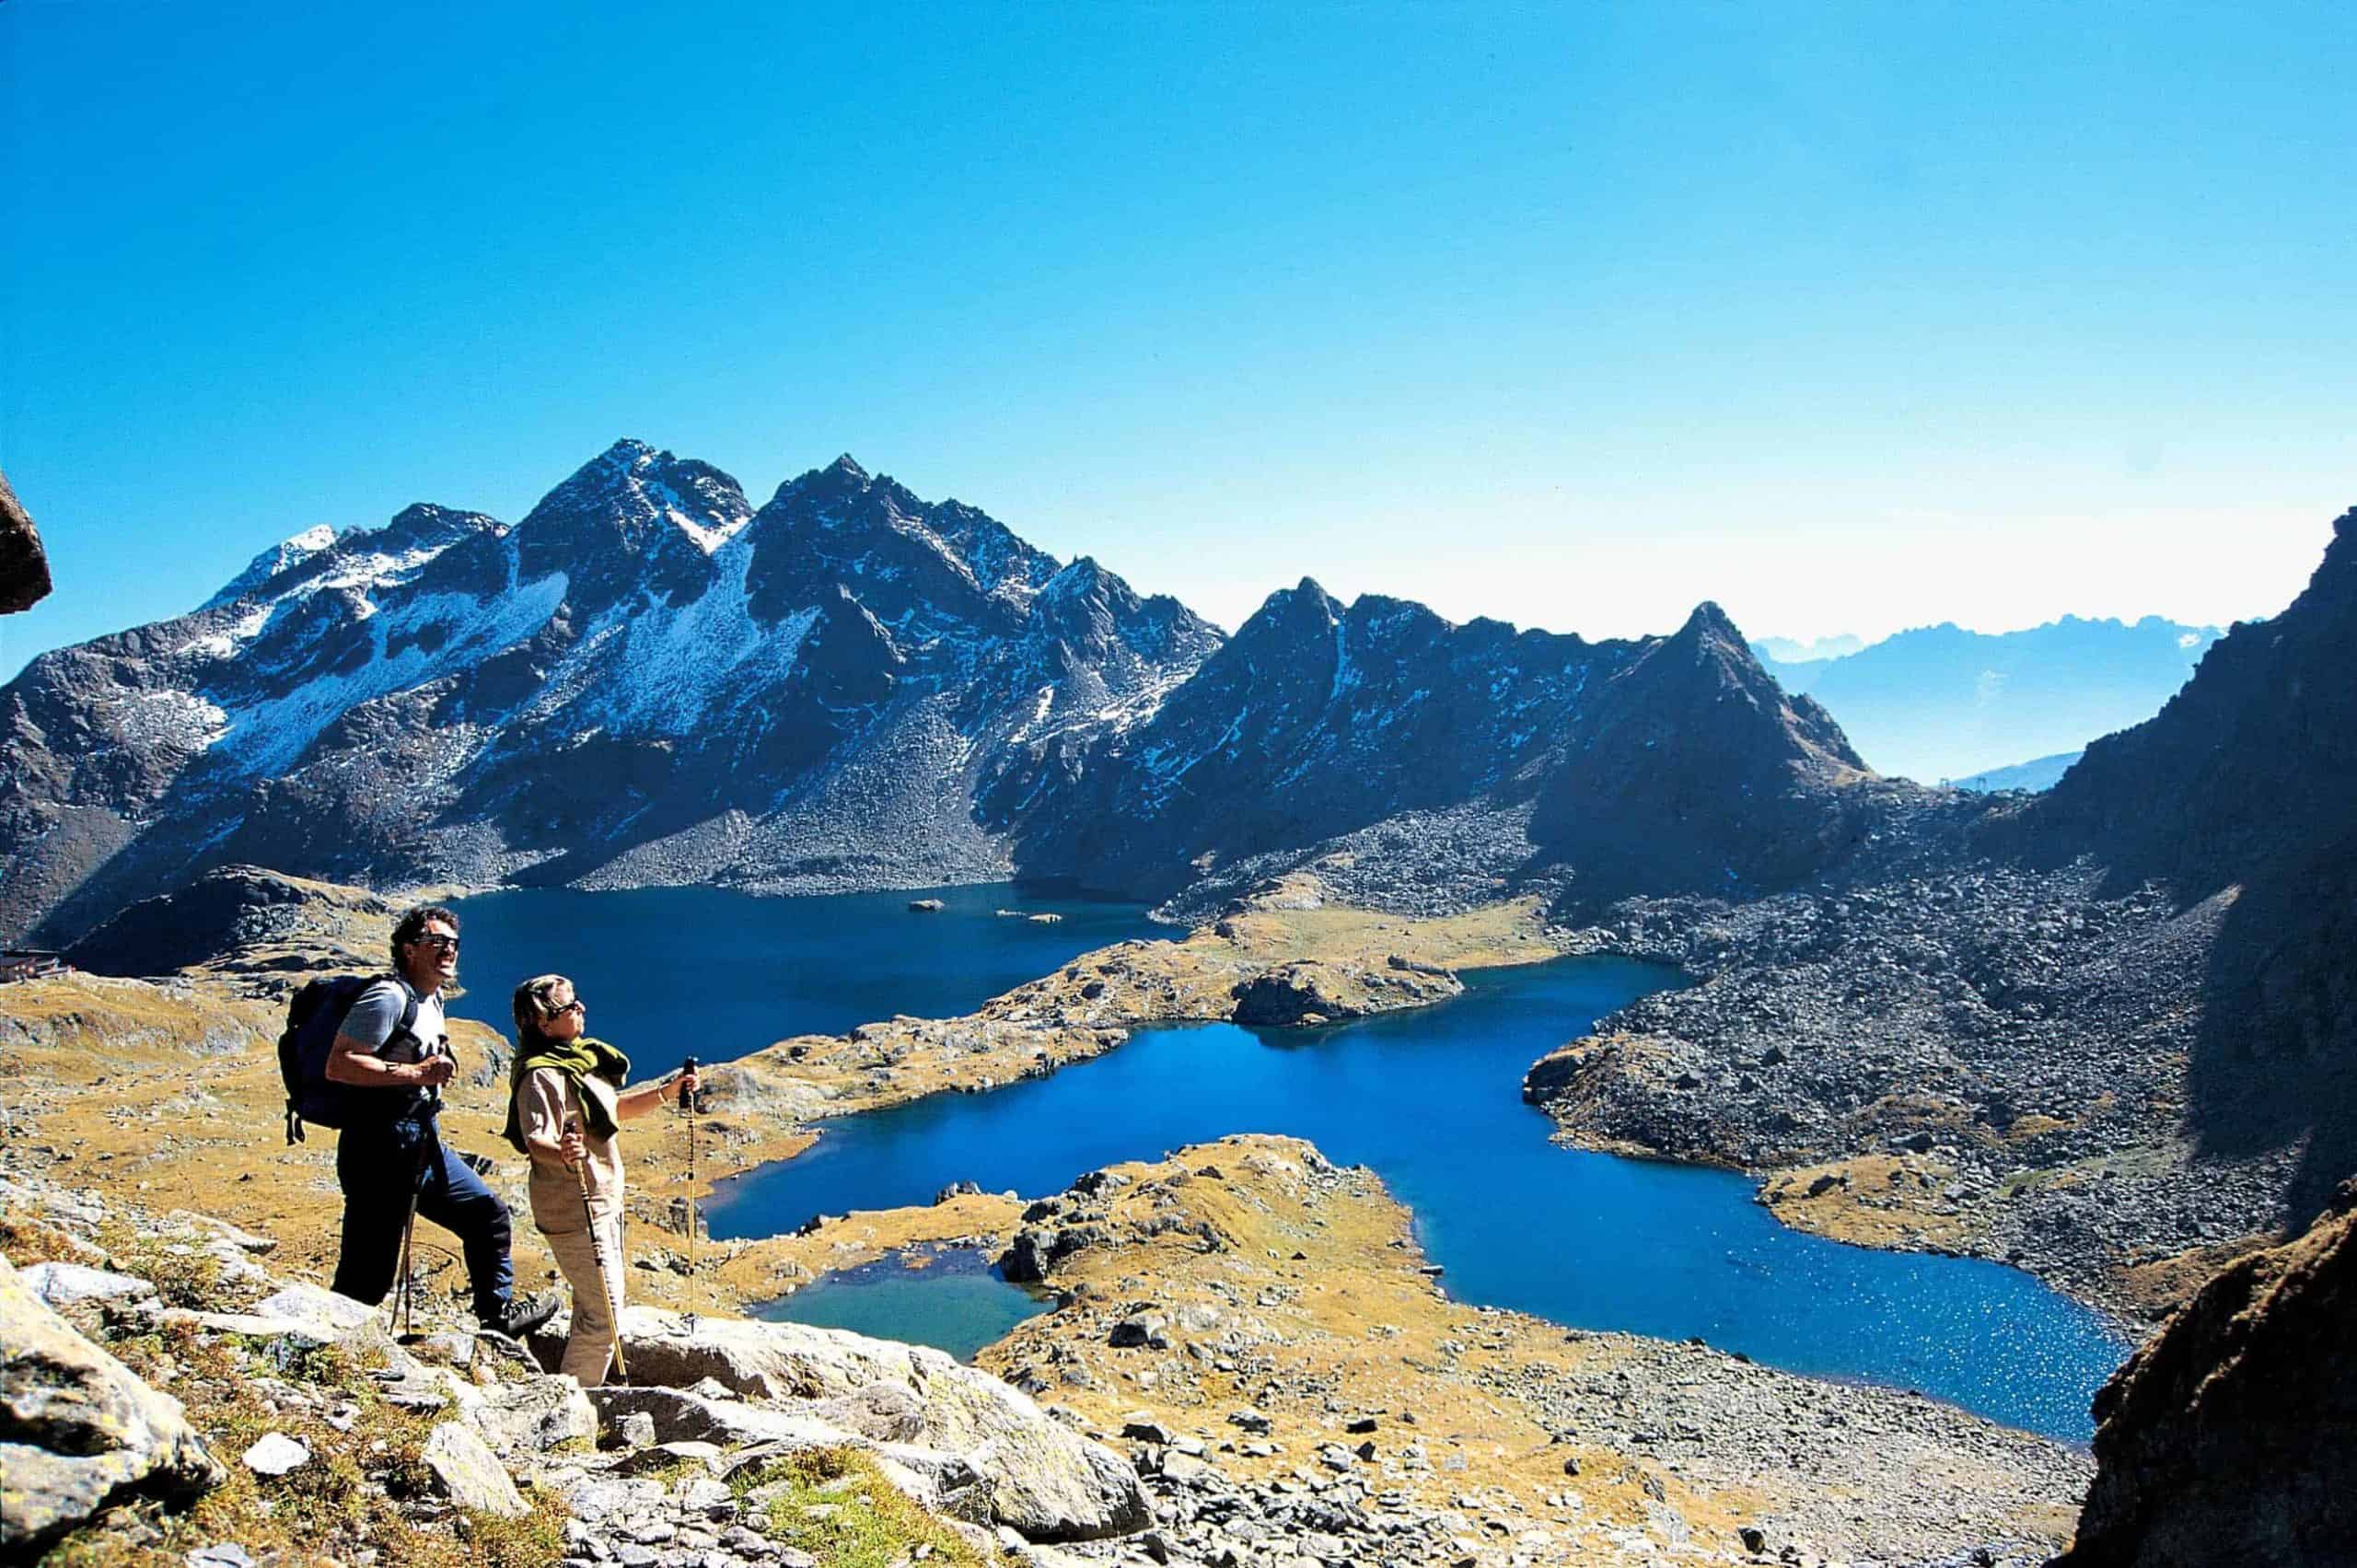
650	681
1659	763
646	680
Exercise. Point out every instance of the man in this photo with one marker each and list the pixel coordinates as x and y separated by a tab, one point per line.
390	1148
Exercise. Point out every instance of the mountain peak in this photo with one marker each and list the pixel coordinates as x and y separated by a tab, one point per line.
1080	578
633	503
1709	622
845	466
419	523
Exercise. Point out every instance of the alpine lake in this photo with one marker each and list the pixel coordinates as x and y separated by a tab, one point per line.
1429	1098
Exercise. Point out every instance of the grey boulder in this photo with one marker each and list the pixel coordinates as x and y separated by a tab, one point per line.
466	1471
82	1431
532	1416
1043	1480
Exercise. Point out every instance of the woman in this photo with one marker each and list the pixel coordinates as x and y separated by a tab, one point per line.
566	1103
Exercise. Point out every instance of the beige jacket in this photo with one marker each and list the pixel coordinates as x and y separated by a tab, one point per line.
543	1104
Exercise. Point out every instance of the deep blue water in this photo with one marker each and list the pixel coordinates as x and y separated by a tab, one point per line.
1431	1099
673	972
957	1302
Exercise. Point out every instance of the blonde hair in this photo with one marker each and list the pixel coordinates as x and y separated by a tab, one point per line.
535	1004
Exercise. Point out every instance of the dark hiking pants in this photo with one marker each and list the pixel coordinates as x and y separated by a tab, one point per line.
377	1167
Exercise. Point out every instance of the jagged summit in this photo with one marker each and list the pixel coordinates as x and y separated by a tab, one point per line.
354	560
1317	720
633	518
642	681
283	556
1710	623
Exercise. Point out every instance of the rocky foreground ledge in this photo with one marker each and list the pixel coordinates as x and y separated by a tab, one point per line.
171	1400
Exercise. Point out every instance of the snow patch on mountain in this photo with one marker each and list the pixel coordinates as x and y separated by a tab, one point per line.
280	557
223	644
672	662
265	738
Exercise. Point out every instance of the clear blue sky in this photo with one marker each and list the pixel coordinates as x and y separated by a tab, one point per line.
1849	317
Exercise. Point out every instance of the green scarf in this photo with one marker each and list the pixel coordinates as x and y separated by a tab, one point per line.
576	1059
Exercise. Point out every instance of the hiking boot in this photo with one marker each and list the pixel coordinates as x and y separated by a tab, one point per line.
521	1317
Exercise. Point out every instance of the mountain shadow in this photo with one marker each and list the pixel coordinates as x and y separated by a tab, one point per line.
2243	788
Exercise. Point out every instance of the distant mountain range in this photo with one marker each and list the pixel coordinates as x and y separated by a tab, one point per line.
648	681
1777	651
1943	703
2038	774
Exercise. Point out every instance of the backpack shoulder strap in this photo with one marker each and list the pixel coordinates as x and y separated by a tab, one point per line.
409	1002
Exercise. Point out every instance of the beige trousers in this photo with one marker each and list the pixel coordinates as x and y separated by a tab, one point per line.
597	1296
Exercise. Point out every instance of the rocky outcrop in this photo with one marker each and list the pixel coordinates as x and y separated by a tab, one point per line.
242	917
78	1431
1313	992
449	1421
2232	1436
24	567
1044	1480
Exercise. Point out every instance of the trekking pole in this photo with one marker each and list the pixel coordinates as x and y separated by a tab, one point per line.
606	1276
405	1293
697	1292
404	1289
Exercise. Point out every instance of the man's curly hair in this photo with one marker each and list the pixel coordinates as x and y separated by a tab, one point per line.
412	927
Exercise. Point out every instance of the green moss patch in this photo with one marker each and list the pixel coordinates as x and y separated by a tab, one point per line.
839	1508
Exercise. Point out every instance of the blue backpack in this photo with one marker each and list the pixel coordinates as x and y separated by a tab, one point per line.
313	1020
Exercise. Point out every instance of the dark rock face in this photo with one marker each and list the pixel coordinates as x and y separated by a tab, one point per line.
2232	1436
632	521
2241	786
224	912
1662	763
1694	772
24	567
645	681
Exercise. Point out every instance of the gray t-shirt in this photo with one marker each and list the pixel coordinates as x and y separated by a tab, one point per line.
378	1014
372	1020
